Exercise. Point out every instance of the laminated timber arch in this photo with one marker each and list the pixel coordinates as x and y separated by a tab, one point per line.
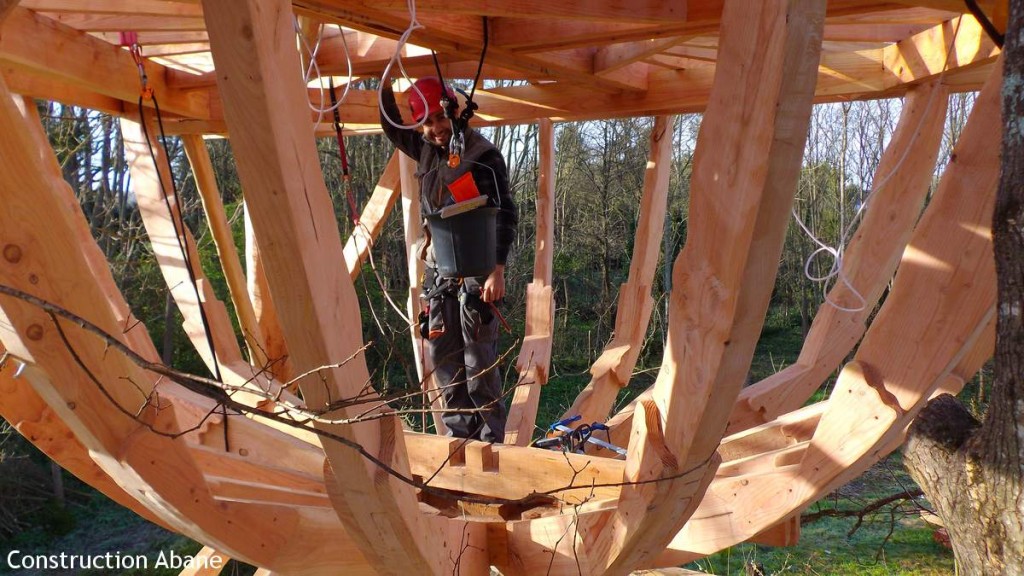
709	465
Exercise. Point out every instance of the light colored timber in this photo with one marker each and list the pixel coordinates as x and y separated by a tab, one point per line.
302	253
32	85
206	320
671	442
534	358
927	53
614	368
900	185
644	11
117	22
216	219
375	214
20	404
412	223
43	256
6	7
206	562
466	40
273	344
743	183
946	278
139	7
88	63
133	331
27	413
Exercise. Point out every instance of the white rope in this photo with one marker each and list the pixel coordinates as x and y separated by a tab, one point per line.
836	271
397	57
312	70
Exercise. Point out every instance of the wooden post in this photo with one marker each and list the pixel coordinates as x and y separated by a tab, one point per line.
43	255
175	248
946	278
412	222
264	97
263	307
614	367
900	185
535	355
747	134
217	220
371	222
185	279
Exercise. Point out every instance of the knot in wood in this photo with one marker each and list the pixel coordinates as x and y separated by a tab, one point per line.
34	332
12	253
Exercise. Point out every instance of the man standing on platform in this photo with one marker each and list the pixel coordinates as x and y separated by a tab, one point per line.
455	164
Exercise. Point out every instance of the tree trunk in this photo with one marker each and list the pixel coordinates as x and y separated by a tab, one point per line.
974	475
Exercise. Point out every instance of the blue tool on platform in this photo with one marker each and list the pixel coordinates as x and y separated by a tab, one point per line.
569	439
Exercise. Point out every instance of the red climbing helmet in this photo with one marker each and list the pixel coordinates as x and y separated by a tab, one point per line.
432	91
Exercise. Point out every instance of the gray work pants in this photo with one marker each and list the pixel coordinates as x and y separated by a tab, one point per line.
464	348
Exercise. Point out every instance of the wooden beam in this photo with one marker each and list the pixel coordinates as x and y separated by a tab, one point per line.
650	11
29	414
614	368
291	211
743	183
223	238
957	43
901	182
375	214
126	21
535	356
672	449
6	7
273	343
44	256
615	56
205	317
82	61
412	223
947	278
512	471
464	41
206	562
135	7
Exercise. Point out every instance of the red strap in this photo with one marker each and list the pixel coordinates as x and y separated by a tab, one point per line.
128	38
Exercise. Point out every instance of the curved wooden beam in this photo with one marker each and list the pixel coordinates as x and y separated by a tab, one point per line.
946	279
291	211
614	368
672	449
217	220
44	255
901	184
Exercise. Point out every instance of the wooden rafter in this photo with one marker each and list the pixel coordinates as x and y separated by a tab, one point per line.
87	62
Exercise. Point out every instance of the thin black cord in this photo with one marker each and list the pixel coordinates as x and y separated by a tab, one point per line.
480	66
986	24
179	223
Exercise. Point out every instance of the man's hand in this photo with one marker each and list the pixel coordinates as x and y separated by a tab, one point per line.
494	286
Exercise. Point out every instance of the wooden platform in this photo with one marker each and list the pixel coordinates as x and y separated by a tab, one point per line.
709	464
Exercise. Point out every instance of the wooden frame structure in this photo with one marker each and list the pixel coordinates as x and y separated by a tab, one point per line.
710	464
